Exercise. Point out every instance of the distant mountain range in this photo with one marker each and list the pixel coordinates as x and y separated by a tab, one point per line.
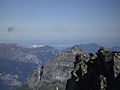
93	47
17	62
43	52
15	52
15	65
87	48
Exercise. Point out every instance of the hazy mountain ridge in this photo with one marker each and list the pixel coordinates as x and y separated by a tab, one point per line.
115	49
15	52
87	48
44	52
90	48
15	61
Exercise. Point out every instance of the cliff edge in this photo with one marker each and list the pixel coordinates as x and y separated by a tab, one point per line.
99	71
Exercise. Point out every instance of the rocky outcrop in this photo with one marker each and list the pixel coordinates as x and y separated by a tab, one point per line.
56	71
99	71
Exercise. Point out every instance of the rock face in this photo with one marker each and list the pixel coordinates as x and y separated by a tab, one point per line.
99	71
56	71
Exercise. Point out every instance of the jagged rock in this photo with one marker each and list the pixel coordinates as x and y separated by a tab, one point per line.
116	58
33	79
103	83
100	72
57	70
80	65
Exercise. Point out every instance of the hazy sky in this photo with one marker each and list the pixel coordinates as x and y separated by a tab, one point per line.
60	20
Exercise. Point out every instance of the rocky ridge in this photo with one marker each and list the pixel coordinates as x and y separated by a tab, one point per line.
96	71
99	71
56	71
15	52
15	65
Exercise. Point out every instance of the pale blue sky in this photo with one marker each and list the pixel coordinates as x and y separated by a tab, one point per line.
60	20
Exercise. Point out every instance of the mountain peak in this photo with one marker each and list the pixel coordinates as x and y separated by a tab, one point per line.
99	73
76	47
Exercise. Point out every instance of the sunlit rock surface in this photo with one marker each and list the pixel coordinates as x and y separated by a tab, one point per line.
56	71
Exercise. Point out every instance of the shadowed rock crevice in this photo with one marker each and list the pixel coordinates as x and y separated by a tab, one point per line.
99	71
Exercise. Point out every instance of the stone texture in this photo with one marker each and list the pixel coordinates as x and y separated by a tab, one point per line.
100	71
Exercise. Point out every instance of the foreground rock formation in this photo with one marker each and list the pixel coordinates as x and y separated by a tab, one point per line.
99	71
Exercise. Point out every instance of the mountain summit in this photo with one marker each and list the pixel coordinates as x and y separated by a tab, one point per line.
100	72
56	71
